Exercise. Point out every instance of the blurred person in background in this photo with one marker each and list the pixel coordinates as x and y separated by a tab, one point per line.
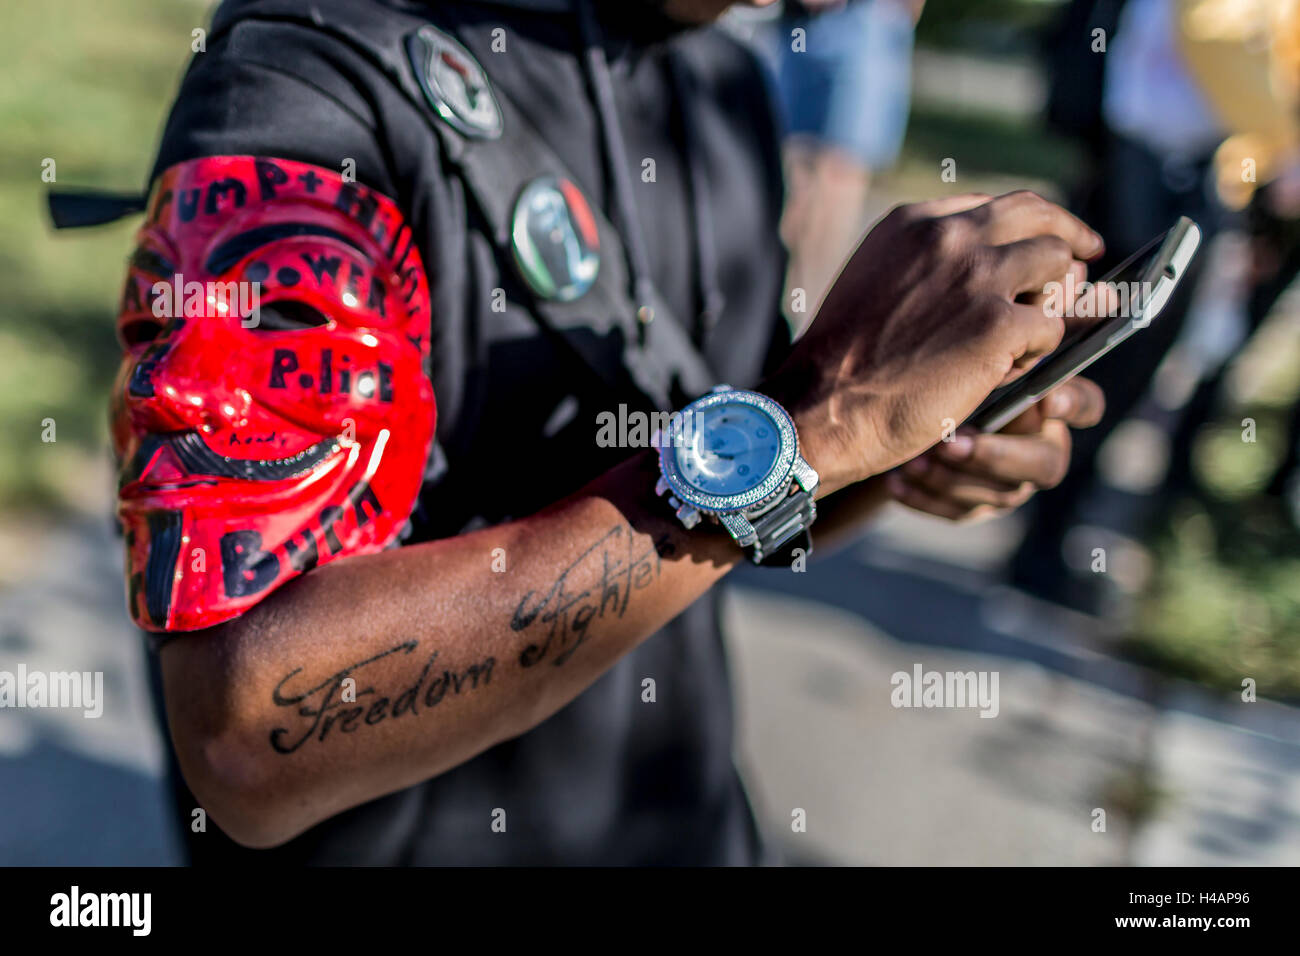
842	71
1246	58
1150	133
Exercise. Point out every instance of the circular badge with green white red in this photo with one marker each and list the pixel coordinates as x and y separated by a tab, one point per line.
555	240
454	83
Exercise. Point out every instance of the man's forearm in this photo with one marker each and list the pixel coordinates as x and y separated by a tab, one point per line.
374	673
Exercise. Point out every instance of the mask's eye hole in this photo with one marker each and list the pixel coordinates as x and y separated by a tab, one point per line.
140	331
153	264
289	315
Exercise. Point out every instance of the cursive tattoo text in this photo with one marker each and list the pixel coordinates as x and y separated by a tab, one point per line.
568	607
322	706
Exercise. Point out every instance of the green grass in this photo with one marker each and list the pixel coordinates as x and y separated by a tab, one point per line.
85	83
988	144
994	25
1225	604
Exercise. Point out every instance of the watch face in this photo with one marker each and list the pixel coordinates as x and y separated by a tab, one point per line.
729	450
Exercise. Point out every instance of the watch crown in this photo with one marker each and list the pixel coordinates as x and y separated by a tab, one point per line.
686	514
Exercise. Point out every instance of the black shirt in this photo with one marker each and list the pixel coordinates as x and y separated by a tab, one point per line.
609	779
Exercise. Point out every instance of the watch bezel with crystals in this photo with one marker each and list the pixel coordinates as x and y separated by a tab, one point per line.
778	478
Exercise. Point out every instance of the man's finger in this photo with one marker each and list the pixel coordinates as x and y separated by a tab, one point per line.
946	206
1042	458
1029	265
920	499
1064	303
1024	215
1079	403
963	487
1035	333
1093	301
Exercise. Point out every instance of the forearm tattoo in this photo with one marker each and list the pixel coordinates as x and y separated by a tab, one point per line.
599	584
564	613
333	702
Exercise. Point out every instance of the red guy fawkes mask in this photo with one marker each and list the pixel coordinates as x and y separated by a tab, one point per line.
273	409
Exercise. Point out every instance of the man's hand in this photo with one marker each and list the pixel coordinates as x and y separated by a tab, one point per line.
977	476
930	314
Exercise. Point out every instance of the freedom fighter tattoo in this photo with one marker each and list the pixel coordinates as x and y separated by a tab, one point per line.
564	613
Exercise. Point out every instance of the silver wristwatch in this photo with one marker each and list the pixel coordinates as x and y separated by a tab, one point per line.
733	457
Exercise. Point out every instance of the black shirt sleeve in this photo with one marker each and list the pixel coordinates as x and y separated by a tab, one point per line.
276	89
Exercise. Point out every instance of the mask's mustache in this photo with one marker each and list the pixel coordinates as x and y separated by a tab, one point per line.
198	459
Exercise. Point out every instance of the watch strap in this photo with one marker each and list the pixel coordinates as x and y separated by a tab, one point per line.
784	556
780	524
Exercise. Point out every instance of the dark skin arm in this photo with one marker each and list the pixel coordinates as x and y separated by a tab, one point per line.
263	734
373	673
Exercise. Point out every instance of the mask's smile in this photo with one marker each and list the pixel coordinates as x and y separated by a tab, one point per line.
200	461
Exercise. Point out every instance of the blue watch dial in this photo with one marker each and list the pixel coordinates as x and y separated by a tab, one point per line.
729	449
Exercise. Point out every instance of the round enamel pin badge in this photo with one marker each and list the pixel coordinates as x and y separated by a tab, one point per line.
555	240
454	83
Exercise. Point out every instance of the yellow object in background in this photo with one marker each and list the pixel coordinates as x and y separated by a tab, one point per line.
1245	56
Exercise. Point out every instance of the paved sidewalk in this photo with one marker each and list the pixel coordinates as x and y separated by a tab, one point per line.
1233	794
1185	777
903	786
77	790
